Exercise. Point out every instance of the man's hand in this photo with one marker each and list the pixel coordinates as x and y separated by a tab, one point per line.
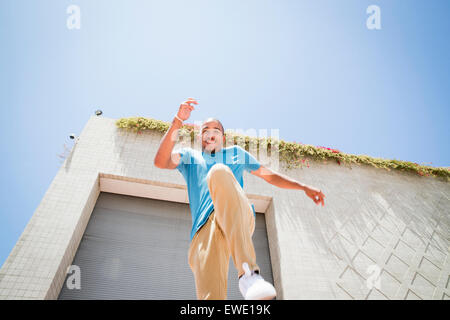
185	109
315	194
164	157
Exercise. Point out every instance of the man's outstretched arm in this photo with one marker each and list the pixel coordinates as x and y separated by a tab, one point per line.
280	180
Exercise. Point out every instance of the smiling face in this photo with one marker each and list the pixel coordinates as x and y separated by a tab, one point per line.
212	135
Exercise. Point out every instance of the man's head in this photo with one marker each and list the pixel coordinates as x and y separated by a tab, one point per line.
212	135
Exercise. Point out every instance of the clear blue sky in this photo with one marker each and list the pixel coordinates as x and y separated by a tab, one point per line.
309	68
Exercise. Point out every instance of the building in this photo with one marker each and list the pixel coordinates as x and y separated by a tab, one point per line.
119	227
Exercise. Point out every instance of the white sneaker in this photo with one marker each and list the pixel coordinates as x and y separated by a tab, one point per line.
254	287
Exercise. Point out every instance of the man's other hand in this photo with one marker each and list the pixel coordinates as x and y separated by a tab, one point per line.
315	194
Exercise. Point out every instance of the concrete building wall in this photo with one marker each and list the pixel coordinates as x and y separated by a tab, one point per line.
375	222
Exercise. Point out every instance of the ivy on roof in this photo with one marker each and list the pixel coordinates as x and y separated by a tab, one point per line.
294	154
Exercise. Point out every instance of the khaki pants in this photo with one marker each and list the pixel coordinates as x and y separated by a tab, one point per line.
229	230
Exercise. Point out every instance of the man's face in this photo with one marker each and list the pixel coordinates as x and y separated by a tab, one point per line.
212	136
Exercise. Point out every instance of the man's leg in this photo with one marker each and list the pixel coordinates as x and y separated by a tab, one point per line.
209	258
234	215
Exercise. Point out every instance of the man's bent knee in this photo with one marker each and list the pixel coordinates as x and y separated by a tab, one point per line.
218	169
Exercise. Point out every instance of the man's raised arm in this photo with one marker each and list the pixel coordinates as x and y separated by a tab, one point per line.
164	158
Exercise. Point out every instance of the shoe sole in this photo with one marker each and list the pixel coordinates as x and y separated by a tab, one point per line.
264	298
268	298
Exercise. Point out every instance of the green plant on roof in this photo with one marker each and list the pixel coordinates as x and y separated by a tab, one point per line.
292	153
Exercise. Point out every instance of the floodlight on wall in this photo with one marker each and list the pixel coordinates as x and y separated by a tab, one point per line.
98	112
73	136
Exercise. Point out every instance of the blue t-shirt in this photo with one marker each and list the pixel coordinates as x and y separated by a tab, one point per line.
195	165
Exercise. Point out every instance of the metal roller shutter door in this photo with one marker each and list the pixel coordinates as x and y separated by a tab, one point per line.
136	248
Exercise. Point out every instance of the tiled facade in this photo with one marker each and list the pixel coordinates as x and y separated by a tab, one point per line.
375	222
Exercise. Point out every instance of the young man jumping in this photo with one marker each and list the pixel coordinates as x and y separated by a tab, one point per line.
223	218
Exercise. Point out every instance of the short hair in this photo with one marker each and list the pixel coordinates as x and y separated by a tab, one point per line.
217	120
